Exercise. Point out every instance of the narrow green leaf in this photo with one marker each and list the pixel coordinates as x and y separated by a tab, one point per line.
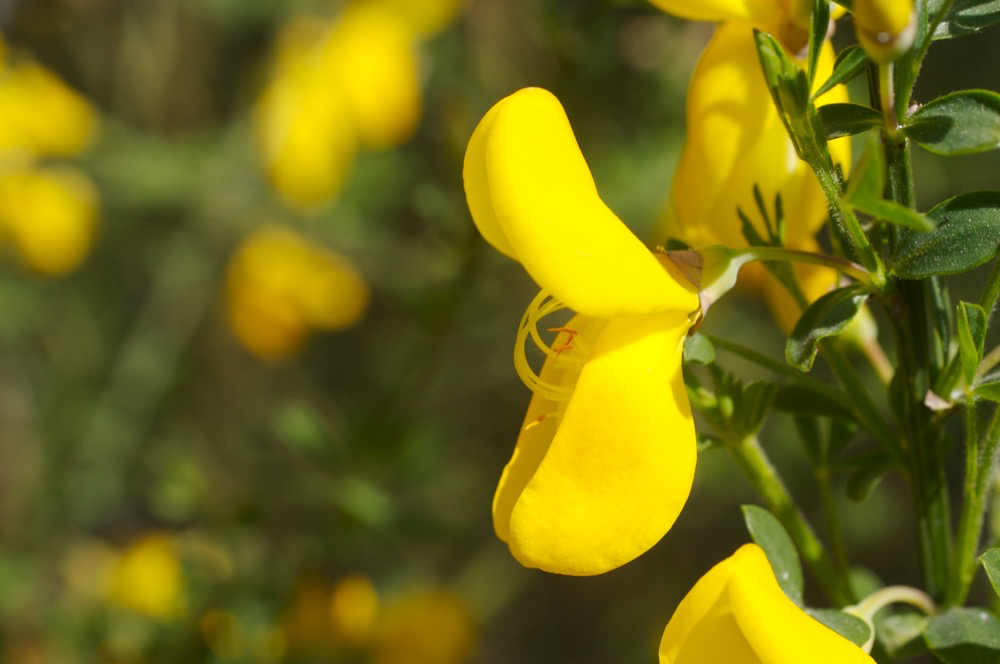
867	476
894	213
697	348
991	563
964	636
971	323
866	179
847	119
849	63
754	402
771	536
968	235
850	627
988	390
958	123
827	316
818	25
967	17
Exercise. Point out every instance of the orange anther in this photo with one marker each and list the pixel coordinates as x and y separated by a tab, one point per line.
534	423
563	347
571	332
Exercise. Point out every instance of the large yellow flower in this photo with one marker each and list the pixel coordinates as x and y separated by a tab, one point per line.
735	139
738	614
606	457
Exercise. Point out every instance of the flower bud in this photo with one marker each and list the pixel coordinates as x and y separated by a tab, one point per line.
885	28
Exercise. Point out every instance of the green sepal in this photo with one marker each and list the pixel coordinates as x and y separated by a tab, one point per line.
698	349
968	235
991	563
961	122
971	322
826	317
968	17
964	636
771	536
849	64
850	627
902	634
847	119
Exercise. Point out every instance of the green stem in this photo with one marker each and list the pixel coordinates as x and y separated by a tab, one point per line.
869	606
764	477
970	521
974	509
833	522
887	97
992	291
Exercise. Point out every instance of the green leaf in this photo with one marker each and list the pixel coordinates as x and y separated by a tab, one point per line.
870	470
771	536
697	348
988	390
971	337
849	63
968	235
827	316
958	123
991	563
850	627
902	633
894	213
964	636
848	119
967	17
819	23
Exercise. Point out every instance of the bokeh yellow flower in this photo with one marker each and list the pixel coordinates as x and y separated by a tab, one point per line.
432	626
354	609
48	214
605	460
735	140
280	288
147	577
738	614
338	85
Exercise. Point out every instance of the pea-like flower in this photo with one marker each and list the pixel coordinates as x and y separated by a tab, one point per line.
735	140
885	28
280	287
738	614
606	456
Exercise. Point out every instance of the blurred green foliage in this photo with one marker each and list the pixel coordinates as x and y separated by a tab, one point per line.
127	407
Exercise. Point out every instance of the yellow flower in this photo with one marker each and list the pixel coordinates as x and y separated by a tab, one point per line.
354	609
279	287
738	614
147	577
735	139
885	28
605	460
336	85
49	215
432	626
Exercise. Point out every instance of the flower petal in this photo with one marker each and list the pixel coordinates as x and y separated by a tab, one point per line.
599	485
778	630
759	11
532	196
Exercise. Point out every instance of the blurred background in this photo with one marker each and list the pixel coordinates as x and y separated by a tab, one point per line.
256	385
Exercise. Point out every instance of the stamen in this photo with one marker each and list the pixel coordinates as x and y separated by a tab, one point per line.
543	305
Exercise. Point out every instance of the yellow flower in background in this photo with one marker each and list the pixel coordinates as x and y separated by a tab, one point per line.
280	287
605	460
147	578
337	85
738	614
735	139
48	214
354	609
431	626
